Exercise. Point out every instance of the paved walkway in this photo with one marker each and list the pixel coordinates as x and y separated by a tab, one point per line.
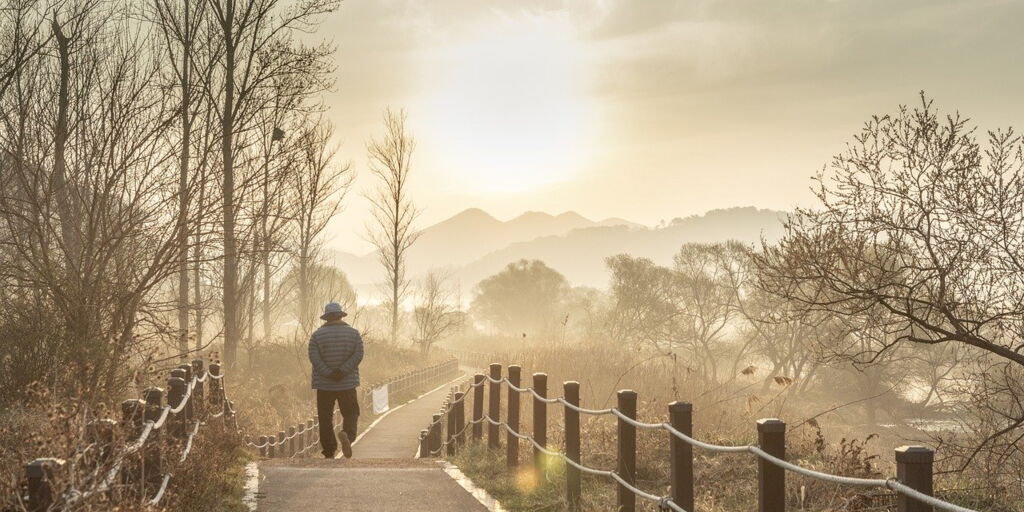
397	435
383	474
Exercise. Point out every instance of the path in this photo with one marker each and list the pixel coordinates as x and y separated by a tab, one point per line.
397	435
383	475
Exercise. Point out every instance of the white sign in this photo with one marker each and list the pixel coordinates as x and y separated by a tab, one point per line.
380	400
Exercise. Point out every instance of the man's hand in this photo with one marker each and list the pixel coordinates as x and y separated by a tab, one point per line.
336	374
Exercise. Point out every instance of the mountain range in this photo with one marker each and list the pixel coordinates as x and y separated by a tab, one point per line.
473	244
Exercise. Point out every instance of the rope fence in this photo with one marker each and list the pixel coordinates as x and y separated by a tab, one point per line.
138	466
446	433
300	439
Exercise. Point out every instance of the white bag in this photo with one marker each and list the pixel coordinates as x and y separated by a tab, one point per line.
380	400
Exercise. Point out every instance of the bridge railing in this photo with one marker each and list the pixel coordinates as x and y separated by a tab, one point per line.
447	432
194	397
299	440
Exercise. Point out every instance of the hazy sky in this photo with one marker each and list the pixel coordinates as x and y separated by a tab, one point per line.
649	109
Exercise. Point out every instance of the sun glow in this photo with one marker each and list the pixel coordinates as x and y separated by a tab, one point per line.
508	107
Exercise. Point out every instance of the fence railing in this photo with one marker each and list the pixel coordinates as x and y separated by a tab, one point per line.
447	432
138	465
299	440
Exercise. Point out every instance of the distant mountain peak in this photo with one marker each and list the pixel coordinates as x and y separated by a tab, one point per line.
472	213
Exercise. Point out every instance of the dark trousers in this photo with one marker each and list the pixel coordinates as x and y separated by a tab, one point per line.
349	404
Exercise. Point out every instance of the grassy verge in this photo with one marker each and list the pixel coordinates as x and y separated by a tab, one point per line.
517	491
214	477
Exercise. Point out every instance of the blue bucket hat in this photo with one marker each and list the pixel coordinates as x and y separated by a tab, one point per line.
333	309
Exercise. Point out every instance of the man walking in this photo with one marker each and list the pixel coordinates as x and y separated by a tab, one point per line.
335	350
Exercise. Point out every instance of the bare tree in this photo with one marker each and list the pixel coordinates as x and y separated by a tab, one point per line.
317	190
393	211
921	226
249	31
181	22
437	313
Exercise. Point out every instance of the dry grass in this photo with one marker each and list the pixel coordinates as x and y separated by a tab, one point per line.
210	479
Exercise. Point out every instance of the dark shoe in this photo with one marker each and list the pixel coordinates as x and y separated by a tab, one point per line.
328	455
346	445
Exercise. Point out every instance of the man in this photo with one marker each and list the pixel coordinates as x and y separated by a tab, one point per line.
335	350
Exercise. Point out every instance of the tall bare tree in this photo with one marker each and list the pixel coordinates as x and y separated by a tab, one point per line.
317	191
180	22
257	37
392	232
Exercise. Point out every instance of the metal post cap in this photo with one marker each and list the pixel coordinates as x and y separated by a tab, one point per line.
915	454
680	406
40	468
771	425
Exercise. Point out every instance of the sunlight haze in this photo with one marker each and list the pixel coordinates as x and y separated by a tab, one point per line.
556	105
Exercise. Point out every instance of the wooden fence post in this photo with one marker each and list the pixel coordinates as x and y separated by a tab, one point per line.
41	473
494	408
133	411
478	407
311	427
681	417
263	446
282	446
435	437
216	388
512	452
424	443
571	391
460	418
914	469
152	459
452	429
175	394
771	479
626	467
292	441
540	421
198	394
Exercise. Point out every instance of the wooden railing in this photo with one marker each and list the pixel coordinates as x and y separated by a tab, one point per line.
298	440
447	432
148	425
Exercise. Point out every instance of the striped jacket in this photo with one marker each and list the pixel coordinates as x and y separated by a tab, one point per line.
335	345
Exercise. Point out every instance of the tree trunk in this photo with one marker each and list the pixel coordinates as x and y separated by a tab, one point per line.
266	243
230	295
186	141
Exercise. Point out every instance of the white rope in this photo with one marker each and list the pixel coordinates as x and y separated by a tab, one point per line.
636	423
188	443
514	388
595	412
163	488
902	488
702	444
541	398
